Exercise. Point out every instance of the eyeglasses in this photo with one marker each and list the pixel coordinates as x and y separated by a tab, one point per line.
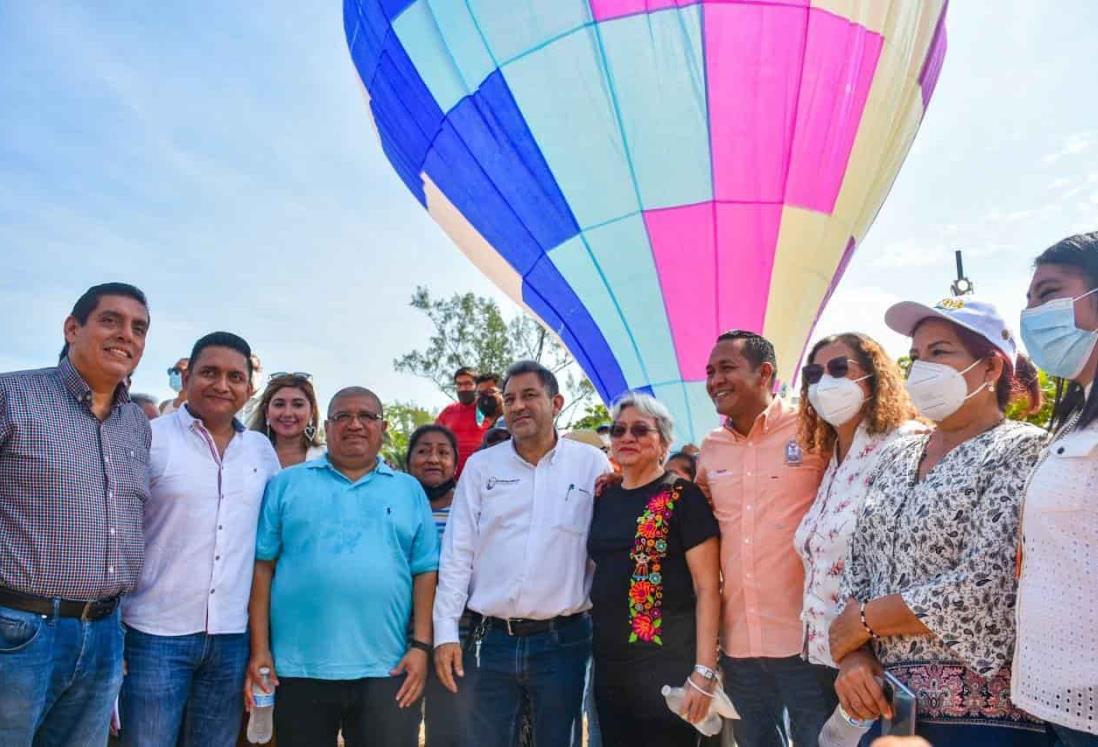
345	418
838	368
296	374
637	430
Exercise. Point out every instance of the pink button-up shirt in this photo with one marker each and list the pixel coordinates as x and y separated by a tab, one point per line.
761	485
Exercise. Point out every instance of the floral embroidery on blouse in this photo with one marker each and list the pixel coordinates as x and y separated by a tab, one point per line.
954	694
649	550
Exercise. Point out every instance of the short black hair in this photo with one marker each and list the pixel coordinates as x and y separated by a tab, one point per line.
465	371
87	303
493	377
691	462
223	340
756	348
548	379
422	431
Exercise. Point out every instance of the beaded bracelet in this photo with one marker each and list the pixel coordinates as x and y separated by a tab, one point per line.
696	687
869	630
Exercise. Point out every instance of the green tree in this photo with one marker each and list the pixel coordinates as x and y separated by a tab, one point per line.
593	416
403	418
1016	410
470	330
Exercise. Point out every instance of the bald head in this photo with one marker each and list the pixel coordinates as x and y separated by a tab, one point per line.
354	391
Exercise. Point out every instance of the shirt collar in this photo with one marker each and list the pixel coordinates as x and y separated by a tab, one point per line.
189	420
78	387
322	462
550	455
763	421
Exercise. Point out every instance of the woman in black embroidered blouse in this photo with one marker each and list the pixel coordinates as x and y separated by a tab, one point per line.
655	592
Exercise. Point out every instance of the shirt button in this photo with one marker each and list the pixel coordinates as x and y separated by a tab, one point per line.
212	590
112	531
110	569
748	506
107	459
219	527
747	540
217	557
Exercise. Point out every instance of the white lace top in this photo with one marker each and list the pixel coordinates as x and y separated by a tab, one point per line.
823	538
1056	656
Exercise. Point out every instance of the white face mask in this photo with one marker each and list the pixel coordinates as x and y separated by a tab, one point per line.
938	390
836	401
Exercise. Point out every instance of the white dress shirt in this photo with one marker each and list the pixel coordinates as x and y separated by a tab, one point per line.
516	542
1056	655
200	524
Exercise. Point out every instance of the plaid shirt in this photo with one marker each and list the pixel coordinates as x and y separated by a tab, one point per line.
72	488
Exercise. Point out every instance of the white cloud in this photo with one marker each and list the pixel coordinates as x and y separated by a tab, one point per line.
1073	145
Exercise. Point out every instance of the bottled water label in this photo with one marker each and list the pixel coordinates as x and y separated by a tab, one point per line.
263	700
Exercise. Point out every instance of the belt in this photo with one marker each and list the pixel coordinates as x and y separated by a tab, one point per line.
96	609
521	626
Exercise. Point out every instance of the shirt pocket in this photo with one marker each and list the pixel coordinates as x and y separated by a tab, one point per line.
573	514
1068	478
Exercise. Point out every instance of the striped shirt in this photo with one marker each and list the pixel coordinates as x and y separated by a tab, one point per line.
72	488
441	515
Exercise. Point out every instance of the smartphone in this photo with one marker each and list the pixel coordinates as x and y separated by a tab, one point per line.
902	723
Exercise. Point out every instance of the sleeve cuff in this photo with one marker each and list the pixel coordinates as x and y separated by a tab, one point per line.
446	631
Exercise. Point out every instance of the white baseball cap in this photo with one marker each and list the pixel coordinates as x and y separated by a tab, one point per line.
974	315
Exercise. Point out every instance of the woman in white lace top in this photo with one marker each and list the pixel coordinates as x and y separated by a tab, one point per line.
1056	658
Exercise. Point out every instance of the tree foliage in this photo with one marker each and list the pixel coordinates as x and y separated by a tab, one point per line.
1017	409
403	418
593	416
470	330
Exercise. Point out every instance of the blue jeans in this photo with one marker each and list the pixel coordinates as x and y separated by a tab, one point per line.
1066	737
185	690
548	668
58	678
763	688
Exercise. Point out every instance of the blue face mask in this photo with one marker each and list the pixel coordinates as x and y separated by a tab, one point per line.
175	381
1052	339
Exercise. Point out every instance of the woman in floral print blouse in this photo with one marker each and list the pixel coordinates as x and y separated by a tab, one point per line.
929	582
853	404
656	588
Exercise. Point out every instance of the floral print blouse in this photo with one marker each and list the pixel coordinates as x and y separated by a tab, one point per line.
947	545
823	537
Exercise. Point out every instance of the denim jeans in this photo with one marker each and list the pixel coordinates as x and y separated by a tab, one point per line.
185	690
448	716
761	689
548	668
58	678
1065	737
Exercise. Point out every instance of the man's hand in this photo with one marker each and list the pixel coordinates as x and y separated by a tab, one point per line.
414	667
447	664
859	687
900	742
609	480
254	678
847	632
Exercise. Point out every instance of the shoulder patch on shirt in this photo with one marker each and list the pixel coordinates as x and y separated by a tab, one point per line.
794	457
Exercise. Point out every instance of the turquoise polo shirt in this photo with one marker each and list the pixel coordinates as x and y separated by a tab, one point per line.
345	554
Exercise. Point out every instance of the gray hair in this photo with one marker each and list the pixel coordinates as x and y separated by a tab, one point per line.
355	391
649	407
143	399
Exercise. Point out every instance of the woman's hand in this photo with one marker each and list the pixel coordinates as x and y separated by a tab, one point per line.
859	686
253	678
847	632
695	706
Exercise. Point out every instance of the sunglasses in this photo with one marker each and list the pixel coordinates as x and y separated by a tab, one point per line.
296	374
836	367
637	430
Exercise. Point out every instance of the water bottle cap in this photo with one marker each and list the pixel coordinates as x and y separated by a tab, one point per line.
264	671
665	690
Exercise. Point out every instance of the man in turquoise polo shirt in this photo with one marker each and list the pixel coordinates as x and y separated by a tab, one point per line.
346	548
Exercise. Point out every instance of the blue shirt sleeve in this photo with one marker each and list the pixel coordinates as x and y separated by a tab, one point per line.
425	543
268	536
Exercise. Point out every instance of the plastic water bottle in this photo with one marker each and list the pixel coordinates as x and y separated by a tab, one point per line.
261	720
842	730
709	726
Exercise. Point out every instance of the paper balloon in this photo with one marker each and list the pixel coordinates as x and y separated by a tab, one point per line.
642	175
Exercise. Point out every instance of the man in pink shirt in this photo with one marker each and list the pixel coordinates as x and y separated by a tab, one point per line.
761	483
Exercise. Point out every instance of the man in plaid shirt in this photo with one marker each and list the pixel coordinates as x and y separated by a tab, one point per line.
73	482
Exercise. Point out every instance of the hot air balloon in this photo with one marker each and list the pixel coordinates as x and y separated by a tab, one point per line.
642	175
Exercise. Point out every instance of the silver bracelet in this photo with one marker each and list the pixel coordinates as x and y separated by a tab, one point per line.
696	687
706	672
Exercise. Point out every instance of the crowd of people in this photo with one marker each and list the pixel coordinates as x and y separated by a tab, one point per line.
506	581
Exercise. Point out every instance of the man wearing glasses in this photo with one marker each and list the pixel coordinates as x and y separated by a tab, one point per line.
346	550
761	483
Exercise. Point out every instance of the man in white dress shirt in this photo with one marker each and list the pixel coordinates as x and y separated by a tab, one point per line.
186	621
515	554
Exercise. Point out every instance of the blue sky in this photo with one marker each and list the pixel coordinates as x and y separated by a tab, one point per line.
220	156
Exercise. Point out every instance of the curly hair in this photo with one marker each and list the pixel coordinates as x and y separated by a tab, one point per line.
258	419
887	407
